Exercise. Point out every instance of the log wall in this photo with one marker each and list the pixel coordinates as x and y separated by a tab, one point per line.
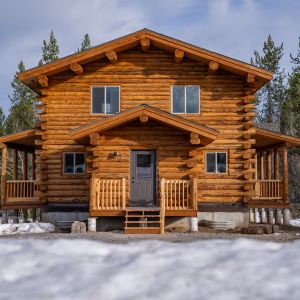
147	78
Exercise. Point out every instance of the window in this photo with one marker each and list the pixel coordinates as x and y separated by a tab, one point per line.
216	162
105	99
74	163
186	99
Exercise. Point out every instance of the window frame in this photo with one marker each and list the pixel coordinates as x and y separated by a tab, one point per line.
104	86
216	162
74	161
185	113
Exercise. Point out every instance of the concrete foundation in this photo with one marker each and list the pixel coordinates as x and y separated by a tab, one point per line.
179	224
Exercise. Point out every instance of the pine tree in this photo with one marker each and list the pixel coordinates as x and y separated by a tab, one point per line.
22	112
50	50
271	96
86	43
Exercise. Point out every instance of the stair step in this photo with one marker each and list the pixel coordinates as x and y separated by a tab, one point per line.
142	230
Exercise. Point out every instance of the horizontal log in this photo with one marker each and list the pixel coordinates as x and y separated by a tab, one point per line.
112	56
76	68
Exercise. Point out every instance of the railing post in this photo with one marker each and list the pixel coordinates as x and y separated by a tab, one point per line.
124	193
285	195
194	193
162	205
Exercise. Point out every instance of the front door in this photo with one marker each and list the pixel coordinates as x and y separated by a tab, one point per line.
142	178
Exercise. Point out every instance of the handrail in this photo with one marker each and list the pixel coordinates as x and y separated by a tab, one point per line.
108	194
269	189
20	189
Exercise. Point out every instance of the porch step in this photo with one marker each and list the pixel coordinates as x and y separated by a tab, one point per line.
143	220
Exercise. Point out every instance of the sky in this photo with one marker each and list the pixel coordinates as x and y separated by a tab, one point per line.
230	27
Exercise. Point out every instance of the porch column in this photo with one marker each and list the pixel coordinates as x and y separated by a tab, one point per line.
25	164
276	164
269	164
262	165
3	173
33	175
15	164
285	175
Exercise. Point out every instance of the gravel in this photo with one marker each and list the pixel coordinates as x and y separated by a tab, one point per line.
286	234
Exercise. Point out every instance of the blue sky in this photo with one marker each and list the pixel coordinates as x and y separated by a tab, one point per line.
231	27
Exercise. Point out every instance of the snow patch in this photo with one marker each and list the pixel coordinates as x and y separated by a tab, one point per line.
295	222
213	269
21	228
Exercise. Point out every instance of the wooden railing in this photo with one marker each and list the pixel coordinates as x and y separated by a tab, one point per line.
108	194
179	194
271	189
21	190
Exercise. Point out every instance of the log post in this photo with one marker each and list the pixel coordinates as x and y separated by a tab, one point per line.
278	216
124	193
25	165
271	216
262	165
269	164
276	164
33	174
3	173
162	205
194	193
285	175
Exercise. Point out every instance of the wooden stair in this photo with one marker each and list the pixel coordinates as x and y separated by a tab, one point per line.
143	220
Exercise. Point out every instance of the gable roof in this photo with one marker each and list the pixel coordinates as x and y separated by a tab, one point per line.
82	133
267	138
30	77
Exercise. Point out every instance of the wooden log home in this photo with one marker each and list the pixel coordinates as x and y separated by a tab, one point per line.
143	132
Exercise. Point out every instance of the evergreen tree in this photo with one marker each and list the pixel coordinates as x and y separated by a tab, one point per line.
2	122
271	96
50	50
22	112
86	43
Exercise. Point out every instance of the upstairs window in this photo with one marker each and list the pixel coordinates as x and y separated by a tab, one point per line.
105	100
186	99
74	163
216	162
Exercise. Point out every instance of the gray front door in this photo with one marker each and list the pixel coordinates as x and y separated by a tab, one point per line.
142	178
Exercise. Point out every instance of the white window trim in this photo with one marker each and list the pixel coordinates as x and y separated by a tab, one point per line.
216	162
185	113
74	153
104	86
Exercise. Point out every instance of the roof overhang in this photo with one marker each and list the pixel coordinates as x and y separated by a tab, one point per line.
143	112
24	140
267	139
30	77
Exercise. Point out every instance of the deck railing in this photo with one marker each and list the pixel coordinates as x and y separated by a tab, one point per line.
179	194
21	190
108	194
270	189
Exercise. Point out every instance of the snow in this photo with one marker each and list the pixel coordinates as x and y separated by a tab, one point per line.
295	222
21	228
209	269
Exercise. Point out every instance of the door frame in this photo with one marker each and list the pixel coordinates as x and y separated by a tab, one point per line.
155	195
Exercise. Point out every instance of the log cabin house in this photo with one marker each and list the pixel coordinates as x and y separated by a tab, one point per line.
144	132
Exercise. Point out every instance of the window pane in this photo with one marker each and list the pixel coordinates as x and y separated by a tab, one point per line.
112	100
211	162
192	99
69	163
143	165
79	163
178	99
98	100
221	162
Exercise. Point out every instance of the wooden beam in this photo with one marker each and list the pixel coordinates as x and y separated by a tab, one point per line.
145	44
15	164
178	55
285	175
76	68
250	78
112	56
269	164
33	174
262	166
276	164
191	164
94	139
144	118
3	173
194	139
25	165
213	67
43	81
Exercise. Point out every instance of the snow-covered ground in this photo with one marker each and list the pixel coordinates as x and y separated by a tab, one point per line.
212	269
21	228
295	222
